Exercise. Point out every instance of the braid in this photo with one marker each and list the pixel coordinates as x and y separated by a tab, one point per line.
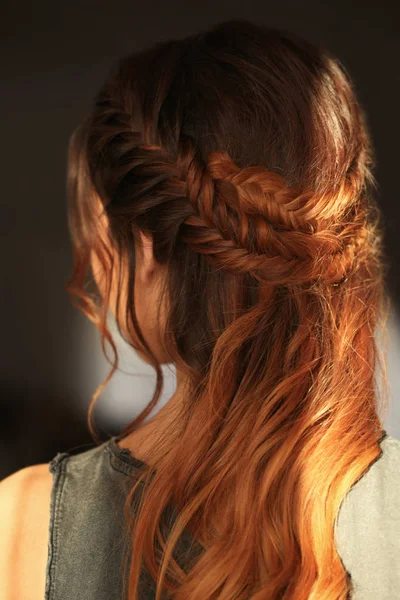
243	220
297	238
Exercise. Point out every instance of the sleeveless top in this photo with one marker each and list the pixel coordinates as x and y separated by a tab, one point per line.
86	527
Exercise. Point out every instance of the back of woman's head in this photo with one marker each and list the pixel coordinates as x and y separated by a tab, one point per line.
244	153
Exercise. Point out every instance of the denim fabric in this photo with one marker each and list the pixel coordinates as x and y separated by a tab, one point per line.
86	544
367	530
86	528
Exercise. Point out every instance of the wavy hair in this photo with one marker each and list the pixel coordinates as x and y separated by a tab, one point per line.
245	154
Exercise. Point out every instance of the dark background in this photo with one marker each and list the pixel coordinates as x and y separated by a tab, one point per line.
54	57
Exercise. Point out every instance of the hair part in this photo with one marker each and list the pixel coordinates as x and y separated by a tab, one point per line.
245	154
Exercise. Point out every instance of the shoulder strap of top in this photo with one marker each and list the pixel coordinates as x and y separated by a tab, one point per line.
86	540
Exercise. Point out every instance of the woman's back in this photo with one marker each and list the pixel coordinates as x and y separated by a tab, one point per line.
86	532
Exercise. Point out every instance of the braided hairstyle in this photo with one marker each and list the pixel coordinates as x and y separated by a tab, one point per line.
245	154
249	221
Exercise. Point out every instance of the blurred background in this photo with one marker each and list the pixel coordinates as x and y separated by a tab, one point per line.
54	57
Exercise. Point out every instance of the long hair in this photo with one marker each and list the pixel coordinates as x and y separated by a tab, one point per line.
245	153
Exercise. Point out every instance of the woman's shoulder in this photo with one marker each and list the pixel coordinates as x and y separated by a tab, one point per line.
25	511
27	498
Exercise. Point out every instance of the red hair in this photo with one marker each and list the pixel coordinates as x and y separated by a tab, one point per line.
245	154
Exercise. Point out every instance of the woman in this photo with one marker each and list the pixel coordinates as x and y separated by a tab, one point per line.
221	192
